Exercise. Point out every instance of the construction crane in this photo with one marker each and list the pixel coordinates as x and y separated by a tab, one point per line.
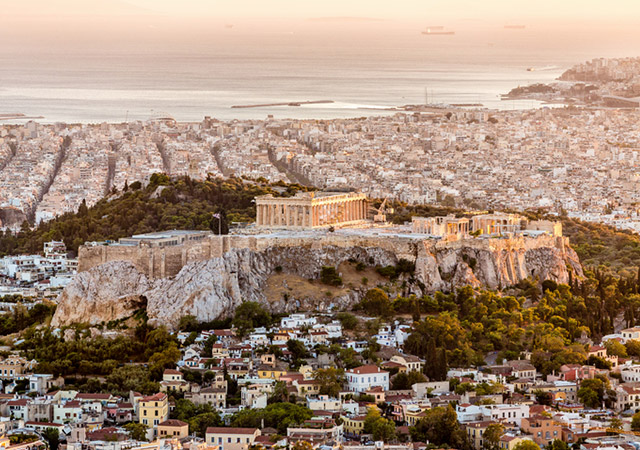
381	212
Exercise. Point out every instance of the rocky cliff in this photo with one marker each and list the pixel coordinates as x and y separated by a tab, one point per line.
213	288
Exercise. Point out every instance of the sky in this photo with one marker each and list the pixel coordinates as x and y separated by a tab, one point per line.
58	22
400	10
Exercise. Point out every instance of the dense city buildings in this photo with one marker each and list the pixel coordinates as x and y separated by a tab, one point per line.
578	161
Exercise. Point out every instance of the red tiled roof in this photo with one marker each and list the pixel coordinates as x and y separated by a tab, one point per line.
366	369
230	430
154	398
173	423
82	396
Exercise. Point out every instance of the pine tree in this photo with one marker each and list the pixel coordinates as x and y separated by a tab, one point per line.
431	360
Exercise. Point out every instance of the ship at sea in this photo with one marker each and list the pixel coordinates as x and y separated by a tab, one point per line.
437	31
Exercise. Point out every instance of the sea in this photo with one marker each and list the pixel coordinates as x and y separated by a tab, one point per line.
361	74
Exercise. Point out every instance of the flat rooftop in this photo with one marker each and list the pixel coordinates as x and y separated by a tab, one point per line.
168	234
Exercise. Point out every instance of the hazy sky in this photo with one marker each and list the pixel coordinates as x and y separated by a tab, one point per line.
52	23
490	10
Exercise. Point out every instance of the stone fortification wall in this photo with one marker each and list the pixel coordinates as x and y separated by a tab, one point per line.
162	262
210	278
440	264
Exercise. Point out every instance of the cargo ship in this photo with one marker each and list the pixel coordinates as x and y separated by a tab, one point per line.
437	31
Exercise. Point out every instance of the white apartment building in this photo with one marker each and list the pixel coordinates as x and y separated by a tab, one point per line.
364	378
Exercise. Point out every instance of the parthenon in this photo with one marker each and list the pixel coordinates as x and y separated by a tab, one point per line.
311	210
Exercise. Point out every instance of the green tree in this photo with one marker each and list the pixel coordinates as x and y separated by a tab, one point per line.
278	415
616	424
348	321
131	378
558	444
376	301
542	397
52	436
280	393
526	445
331	381
615	348
440	426
492	435
166	359
635	422
591	393
329	276
406	380
137	431
297	349
188	323
383	430
250	315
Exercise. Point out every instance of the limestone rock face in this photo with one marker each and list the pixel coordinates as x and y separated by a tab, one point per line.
215	287
111	291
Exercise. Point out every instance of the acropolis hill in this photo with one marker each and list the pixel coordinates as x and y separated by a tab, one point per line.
175	273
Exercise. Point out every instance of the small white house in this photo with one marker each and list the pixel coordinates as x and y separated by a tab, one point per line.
364	378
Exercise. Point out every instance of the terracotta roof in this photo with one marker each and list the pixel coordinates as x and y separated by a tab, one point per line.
48	424
230	430
82	396
173	423
171	372
72	404
366	369
154	398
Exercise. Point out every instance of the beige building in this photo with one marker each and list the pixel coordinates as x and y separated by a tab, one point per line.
153	410
173	428
510	442
229	438
172	380
214	396
475	432
311	210
12	366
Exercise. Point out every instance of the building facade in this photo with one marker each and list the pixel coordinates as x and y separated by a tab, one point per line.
364	378
311	210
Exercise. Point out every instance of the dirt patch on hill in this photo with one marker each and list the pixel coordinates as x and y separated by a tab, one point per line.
291	287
